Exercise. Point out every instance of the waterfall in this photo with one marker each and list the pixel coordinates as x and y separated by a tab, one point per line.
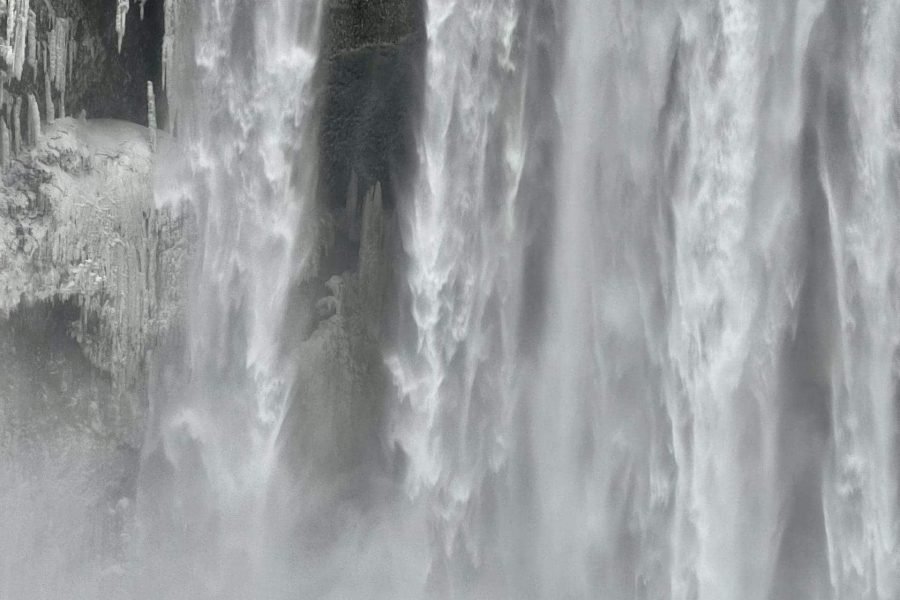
457	380
706	405
714	171
244	99
456	299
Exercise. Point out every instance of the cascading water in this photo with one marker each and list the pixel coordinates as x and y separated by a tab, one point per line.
713	410
457	380
643	327
244	102
715	164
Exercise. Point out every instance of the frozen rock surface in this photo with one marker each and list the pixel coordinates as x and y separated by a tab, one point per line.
78	223
91	280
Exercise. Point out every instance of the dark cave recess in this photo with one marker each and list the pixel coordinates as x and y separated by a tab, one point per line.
102	82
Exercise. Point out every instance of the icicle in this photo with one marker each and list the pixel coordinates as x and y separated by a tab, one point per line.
49	110
17	126
121	15
170	23
31	43
142	8
371	251
352	207
10	21
21	33
151	114
33	129
5	148
7	52
371	227
71	47
51	50
61	109
6	56
61	42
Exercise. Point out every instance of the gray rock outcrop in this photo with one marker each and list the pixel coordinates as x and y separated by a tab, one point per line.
78	225
91	281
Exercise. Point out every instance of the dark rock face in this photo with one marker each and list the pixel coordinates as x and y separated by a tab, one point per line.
372	68
353	24
370	100
112	84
